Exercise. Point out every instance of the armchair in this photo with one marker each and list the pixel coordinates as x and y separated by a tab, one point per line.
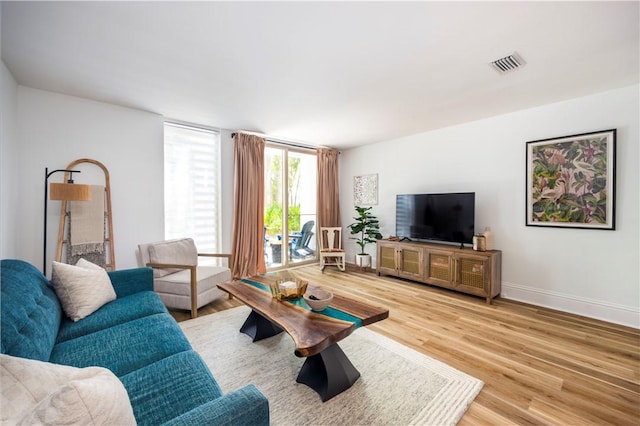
178	279
299	241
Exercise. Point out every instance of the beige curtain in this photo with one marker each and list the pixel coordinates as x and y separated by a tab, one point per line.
328	192
248	206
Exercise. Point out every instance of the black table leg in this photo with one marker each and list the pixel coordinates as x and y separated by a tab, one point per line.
258	327
329	373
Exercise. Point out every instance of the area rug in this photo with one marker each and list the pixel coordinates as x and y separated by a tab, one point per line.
397	386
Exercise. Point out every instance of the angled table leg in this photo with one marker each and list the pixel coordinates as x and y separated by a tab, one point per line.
329	373
258	327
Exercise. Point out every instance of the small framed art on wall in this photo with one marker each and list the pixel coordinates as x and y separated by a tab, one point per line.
365	190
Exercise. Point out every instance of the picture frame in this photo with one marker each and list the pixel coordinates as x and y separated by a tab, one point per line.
365	190
571	181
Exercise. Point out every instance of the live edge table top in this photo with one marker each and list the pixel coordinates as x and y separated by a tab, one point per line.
312	332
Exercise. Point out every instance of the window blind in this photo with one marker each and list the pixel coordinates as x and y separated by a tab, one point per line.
192	185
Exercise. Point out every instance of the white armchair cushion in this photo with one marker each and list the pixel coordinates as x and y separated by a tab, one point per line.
36	392
179	283
182	251
175	289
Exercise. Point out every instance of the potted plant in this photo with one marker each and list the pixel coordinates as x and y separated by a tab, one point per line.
366	230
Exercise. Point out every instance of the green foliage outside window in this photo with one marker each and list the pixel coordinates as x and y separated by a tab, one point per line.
273	219
273	208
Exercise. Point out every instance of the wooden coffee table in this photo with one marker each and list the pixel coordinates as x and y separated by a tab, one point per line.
327	370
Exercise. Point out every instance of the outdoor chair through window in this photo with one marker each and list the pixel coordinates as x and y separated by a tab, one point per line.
299	242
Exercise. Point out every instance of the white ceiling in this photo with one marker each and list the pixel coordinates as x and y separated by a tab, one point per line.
324	73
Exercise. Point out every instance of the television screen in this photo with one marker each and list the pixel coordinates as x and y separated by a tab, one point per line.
439	217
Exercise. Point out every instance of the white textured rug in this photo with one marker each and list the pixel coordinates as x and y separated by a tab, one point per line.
397	386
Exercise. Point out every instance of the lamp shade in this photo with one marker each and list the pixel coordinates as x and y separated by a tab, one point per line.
69	191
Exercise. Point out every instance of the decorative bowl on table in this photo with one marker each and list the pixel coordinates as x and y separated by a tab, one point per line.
288	290
318	299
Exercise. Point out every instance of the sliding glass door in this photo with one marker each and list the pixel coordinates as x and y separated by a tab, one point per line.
290	207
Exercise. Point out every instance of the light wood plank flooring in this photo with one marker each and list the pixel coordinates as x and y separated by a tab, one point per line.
539	366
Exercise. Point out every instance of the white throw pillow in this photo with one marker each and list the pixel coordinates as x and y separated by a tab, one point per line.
36	392
82	289
84	263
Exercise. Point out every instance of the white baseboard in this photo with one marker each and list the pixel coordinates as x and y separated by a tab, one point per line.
606	311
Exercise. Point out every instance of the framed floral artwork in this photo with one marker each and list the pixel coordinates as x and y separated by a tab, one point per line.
365	190
571	181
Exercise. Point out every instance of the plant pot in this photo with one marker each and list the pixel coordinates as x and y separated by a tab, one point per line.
363	260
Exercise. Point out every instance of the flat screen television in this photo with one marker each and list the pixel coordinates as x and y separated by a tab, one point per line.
448	217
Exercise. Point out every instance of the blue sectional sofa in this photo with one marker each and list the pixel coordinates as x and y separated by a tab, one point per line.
133	336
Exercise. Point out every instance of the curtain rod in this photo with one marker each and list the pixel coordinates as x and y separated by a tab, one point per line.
292	144
186	125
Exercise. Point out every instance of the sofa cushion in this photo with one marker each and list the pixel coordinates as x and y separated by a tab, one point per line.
119	311
130	281
244	406
30	311
36	392
181	251
81	289
158	397
125	347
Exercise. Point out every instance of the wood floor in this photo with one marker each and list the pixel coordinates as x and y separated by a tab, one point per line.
539	366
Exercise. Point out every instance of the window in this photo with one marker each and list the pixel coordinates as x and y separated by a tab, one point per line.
290	206
192	185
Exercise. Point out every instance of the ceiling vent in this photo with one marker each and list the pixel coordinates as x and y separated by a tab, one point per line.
508	63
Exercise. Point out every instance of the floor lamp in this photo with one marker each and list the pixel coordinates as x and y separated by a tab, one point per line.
65	192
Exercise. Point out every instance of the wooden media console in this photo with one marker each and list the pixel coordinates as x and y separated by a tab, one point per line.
460	269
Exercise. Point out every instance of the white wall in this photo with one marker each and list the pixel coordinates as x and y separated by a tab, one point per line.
590	272
55	130
8	165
